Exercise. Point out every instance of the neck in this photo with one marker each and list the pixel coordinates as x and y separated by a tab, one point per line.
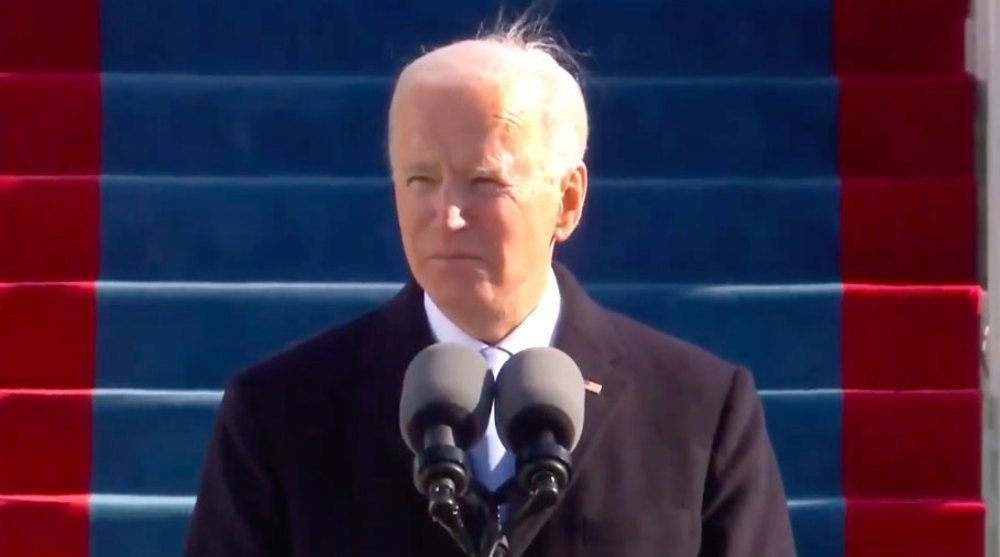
494	321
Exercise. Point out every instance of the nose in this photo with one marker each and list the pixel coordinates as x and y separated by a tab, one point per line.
451	210
453	218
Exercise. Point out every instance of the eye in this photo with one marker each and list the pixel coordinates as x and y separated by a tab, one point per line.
419	181
487	183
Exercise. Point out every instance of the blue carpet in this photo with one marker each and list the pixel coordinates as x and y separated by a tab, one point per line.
278	229
182	125
152	442
163	336
136	526
618	37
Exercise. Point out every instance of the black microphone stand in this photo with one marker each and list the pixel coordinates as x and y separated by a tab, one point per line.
442	473
543	468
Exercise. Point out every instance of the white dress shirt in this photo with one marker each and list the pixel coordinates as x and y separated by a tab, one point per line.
489	459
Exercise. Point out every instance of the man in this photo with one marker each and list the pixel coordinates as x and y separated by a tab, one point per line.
486	144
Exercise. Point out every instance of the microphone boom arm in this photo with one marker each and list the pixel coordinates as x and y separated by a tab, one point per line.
444	510
544	471
441	472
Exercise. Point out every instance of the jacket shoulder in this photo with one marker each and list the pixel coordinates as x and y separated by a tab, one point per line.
332	353
667	357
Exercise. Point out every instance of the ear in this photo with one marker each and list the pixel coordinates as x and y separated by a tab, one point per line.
573	192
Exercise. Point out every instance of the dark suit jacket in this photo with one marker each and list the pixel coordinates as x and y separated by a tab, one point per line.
307	459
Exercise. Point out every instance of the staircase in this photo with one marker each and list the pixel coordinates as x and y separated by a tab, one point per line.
187	186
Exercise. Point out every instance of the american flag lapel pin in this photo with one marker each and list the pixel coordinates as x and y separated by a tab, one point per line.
593	387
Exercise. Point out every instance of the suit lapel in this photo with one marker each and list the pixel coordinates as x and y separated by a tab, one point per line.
401	332
586	336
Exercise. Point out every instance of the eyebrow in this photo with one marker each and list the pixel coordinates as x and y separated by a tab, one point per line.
490	171
426	168
419	168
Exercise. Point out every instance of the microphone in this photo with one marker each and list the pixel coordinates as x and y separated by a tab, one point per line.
539	405
444	410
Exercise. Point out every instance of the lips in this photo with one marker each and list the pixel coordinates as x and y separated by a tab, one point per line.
456	257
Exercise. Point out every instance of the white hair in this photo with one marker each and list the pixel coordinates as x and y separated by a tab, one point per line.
564	113
543	60
532	34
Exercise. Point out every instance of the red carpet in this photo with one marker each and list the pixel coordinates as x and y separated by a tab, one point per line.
50	36
910	338
51	430
44	526
57	220
912	410
50	125
886	528
918	445
899	37
911	230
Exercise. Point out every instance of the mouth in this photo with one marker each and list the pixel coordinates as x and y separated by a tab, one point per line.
455	257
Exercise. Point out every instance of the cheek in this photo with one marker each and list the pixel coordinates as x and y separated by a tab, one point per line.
409	208
409	218
539	214
522	230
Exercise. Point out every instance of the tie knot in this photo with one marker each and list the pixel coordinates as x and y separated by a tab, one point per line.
497	348
495	356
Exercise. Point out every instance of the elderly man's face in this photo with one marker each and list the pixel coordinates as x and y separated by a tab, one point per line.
477	213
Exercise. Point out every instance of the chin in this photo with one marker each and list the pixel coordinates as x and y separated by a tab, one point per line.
458	286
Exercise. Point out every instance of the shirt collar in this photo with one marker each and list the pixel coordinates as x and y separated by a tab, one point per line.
537	329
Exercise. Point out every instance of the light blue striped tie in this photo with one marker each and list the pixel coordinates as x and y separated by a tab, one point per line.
491	462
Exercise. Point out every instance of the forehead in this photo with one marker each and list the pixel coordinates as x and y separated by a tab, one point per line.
459	120
426	105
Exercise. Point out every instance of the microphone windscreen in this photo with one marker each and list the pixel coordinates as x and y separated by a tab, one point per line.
539	389
446	384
